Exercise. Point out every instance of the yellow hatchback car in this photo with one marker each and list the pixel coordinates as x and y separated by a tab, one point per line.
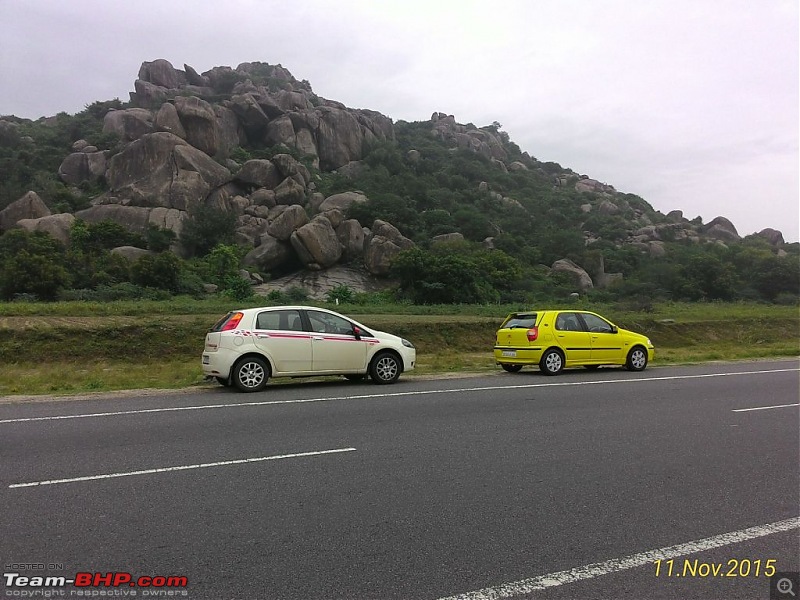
557	339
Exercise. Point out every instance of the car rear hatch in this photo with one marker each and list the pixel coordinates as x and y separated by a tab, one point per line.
518	331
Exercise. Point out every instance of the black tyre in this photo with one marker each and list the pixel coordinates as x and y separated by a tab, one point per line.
355	377
552	362
385	368
250	374
637	359
512	368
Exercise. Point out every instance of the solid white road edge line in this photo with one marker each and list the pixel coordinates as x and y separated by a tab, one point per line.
223	463
763	407
391	395
526	586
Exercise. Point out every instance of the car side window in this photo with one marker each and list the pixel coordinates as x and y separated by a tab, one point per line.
568	322
324	323
595	324
281	320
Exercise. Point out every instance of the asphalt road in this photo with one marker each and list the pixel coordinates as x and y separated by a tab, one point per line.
513	485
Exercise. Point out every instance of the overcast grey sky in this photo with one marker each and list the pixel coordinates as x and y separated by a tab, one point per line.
690	104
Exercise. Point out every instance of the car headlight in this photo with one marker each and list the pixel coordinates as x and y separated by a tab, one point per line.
407	344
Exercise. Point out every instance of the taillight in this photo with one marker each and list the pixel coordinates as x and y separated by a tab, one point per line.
533	333
233	322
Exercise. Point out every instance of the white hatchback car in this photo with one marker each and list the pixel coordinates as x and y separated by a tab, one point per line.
247	347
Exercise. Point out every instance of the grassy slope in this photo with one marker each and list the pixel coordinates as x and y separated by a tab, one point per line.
74	347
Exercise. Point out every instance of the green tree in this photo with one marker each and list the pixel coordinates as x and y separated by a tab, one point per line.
31	263
160	271
206	228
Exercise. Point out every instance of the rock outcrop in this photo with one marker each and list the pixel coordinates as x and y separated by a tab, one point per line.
579	276
29	206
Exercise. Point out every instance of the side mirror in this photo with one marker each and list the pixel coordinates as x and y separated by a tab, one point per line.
357	332
614	329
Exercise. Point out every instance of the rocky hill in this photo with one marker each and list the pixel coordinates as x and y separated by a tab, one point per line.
312	184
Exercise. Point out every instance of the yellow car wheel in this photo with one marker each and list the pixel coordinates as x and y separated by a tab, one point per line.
637	359
552	362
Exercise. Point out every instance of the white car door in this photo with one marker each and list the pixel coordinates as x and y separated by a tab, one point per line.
334	345
280	335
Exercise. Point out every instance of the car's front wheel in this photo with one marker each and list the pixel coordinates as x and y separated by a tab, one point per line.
511	368
637	359
250	374
552	362
385	368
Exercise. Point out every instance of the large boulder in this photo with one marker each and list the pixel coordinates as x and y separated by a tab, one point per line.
773	236
390	232
58	226
316	244
250	114
29	206
579	276
289	167
270	254
200	122
161	72
339	138
130	253
160	169
137	219
318	283
351	236
342	201
288	222
290	192
129	124
259	173
229	130
79	167
133	218
167	119
379	253
720	229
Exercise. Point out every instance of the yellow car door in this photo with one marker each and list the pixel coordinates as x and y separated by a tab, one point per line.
573	339
607	344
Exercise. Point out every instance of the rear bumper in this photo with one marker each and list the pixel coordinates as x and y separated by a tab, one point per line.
517	356
219	363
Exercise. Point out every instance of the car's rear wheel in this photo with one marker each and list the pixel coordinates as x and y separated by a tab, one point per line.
385	368
250	374
637	359
512	368
552	362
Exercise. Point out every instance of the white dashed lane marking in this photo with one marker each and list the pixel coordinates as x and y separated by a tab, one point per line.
223	463
528	586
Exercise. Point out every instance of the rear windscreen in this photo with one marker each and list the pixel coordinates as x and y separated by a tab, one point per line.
218	325
520	321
